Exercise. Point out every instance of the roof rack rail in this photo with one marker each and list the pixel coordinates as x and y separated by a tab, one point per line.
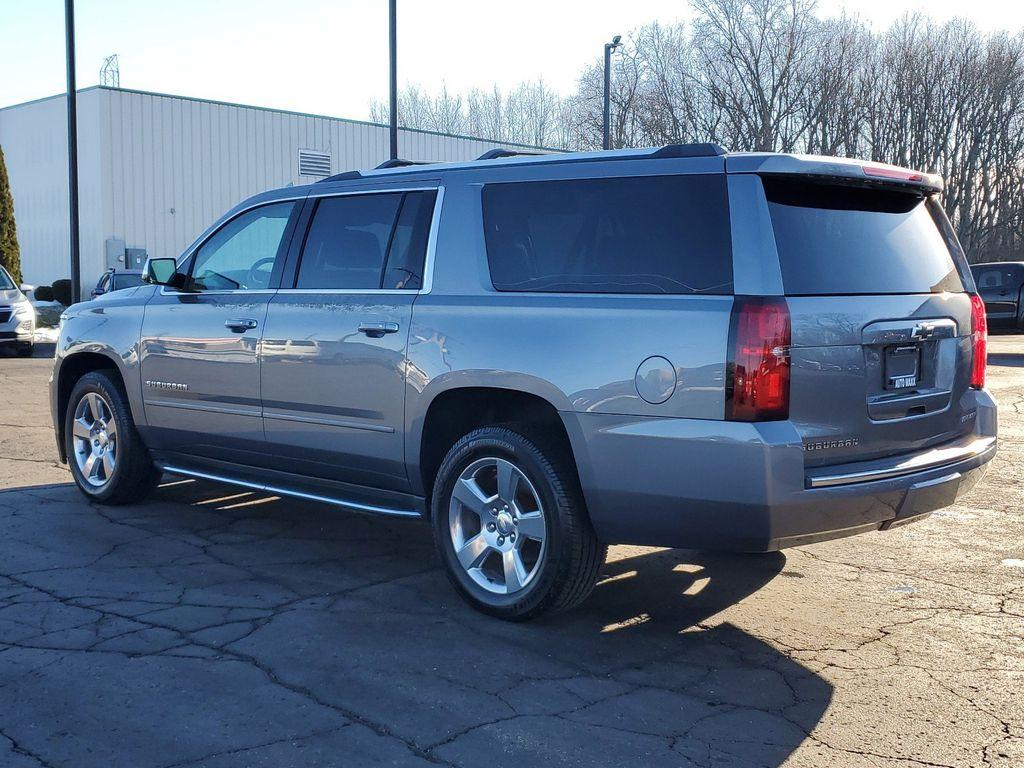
689	150
342	177
498	152
665	152
397	162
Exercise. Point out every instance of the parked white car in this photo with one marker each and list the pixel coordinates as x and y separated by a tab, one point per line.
17	317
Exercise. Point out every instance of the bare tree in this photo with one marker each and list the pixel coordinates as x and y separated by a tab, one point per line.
769	75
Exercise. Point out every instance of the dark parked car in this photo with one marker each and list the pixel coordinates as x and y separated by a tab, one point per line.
112	280
1001	285
541	356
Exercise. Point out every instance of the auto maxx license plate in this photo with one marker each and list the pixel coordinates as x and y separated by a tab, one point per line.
902	366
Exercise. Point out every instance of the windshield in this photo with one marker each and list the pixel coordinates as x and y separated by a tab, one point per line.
6	284
126	280
835	240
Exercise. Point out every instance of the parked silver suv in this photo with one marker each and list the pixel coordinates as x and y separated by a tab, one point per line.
17	317
544	355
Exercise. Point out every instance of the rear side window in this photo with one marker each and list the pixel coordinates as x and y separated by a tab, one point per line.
996	277
835	240
367	242
657	234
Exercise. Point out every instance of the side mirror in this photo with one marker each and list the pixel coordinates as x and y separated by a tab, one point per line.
162	272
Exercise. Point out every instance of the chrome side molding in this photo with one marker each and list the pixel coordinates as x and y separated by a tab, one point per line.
282	491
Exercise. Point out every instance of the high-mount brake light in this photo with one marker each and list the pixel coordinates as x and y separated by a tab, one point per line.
757	374
881	172
979	342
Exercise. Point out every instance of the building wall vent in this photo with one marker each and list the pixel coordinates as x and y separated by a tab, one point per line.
313	163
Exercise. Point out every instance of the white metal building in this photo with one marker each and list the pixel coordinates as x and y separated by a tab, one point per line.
155	170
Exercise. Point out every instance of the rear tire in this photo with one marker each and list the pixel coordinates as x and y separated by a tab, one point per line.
510	524
108	460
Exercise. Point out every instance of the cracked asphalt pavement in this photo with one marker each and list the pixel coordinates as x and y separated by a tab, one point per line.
215	627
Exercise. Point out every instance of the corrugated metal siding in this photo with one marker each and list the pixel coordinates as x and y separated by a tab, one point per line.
34	139
199	158
156	170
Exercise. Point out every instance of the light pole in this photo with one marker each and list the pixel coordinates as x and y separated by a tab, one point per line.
608	48
393	45
69	40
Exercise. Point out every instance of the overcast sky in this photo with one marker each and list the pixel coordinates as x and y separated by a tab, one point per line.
330	56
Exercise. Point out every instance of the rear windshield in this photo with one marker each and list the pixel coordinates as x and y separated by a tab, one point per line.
835	240
656	234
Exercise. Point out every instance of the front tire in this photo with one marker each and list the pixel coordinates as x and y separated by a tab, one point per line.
25	350
511	526
108	460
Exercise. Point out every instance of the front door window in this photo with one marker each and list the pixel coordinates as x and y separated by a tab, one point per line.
241	256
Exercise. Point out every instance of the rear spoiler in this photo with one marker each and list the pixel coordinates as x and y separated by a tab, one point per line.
857	171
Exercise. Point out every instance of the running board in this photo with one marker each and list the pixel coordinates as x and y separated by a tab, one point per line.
279	491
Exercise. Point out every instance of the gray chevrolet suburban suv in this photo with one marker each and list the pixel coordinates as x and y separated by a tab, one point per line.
678	347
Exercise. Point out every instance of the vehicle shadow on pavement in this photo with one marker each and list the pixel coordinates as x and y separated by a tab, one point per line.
1012	359
230	628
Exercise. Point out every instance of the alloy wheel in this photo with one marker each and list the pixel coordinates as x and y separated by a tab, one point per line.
94	433
497	525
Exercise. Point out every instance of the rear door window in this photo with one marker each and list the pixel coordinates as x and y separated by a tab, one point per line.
836	240
656	234
347	241
367	242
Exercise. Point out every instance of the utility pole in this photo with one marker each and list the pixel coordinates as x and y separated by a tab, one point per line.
608	48
393	110
76	265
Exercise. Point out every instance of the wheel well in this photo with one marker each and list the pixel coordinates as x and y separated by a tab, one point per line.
456	412
71	370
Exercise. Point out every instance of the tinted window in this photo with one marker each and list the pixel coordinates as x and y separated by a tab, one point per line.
6	284
658	234
347	241
125	280
242	254
409	242
849	240
995	277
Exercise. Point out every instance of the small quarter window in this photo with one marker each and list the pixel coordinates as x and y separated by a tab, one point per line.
409	243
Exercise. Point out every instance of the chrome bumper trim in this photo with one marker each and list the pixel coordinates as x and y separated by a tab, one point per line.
933	459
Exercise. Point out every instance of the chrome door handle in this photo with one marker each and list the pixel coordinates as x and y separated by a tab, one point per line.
240	325
376	330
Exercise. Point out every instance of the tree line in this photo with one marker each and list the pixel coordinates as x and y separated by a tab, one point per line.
770	75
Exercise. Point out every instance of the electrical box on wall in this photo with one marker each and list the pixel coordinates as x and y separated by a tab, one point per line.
135	258
114	250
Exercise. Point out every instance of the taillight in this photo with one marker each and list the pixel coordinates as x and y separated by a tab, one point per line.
880	171
757	385
979	341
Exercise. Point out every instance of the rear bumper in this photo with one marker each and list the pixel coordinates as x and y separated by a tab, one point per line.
732	486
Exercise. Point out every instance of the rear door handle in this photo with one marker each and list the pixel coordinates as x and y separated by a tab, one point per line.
240	325
376	330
